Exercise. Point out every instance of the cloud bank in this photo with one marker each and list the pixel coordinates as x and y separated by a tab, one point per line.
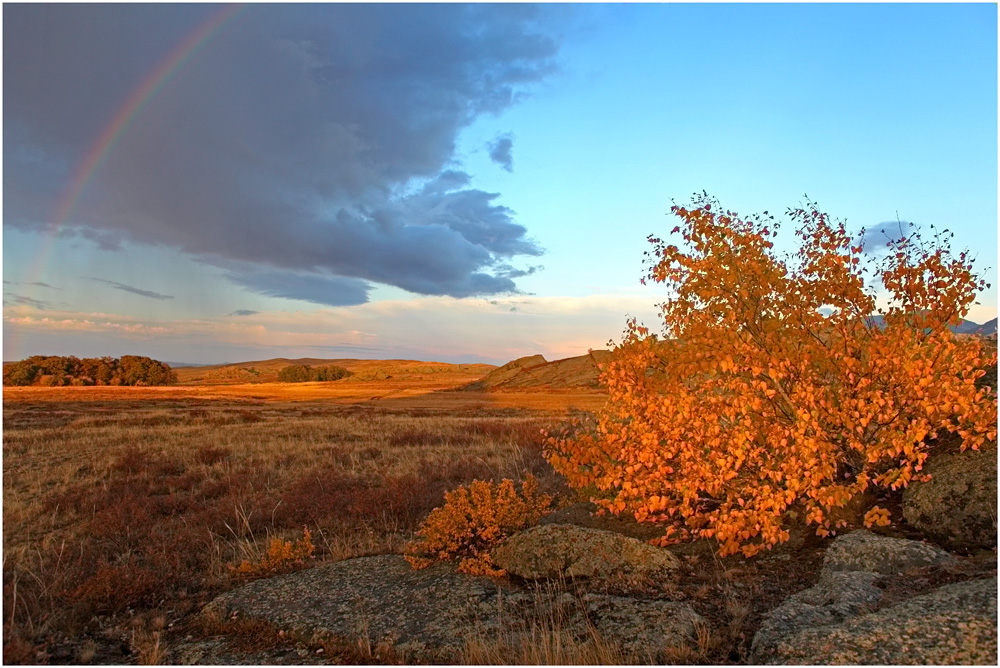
308	150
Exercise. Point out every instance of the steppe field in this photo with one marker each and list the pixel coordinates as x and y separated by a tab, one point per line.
125	509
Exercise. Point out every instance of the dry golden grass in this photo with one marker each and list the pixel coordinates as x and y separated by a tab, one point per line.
542	635
424	395
124	509
125	501
543	644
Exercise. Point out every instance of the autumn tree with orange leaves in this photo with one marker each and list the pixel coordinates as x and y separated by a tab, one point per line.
772	390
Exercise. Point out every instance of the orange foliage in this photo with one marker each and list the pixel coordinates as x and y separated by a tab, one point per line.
879	516
756	400
473	520
280	555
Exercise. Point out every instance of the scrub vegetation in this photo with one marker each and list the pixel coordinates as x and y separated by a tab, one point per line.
120	512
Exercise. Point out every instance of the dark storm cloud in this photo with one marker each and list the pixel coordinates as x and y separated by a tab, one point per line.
511	272
244	311
104	239
299	145
327	290
500	152
128	288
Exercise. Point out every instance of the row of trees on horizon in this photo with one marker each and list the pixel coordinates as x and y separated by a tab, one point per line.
301	373
54	371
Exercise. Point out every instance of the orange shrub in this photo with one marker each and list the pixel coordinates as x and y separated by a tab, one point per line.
280	555
756	400
473	520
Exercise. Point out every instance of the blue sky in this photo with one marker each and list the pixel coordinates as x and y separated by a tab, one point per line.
456	183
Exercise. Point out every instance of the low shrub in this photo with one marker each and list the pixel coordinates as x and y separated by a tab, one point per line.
473	520
280	556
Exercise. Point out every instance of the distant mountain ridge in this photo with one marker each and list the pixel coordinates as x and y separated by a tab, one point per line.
964	327
988	329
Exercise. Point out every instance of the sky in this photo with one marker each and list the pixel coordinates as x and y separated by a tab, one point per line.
457	183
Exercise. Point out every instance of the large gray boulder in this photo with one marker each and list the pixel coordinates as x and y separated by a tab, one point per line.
958	506
846	618
862	550
567	551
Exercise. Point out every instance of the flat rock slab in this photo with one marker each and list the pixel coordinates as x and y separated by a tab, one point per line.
837	597
429	615
423	613
642	628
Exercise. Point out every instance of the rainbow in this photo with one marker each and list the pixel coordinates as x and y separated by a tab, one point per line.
135	102
113	131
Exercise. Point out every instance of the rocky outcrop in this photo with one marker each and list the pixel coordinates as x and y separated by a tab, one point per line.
641	628
862	550
840	620
429	615
877	600
958	506
567	551
424	614
953	625
535	372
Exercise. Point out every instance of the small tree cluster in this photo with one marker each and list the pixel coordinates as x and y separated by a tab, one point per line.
301	373
473	520
57	371
772	394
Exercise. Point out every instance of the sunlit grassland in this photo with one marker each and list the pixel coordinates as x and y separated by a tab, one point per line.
138	500
393	393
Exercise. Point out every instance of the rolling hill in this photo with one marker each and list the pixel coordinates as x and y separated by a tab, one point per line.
266	371
536	372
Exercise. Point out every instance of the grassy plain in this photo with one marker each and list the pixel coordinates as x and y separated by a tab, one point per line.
124	508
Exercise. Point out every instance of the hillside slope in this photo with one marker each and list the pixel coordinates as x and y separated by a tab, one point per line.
988	329
266	371
536	372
